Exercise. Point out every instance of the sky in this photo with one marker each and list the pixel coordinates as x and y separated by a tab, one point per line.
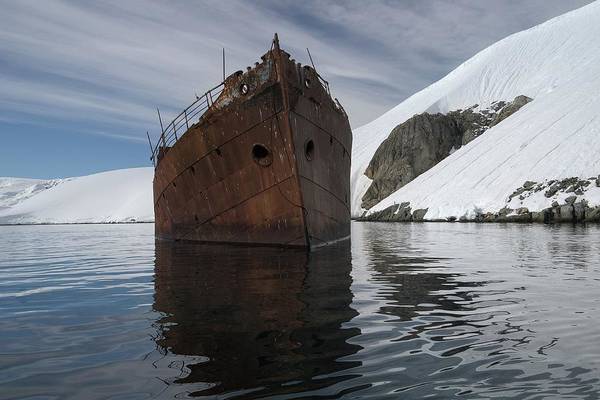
80	81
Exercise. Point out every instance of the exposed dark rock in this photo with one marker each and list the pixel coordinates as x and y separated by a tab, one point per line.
471	123
539	216
468	136
497	105
383	215
419	214
592	214
571	199
422	141
568	185
565	213
488	217
517	192
510	109
411	149
394	213
555	217
579	211
552	190
403	214
505	211
524	217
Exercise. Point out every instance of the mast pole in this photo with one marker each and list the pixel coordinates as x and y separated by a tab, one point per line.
311	60
151	148
223	64
162	130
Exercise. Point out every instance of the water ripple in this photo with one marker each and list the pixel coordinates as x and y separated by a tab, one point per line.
410	310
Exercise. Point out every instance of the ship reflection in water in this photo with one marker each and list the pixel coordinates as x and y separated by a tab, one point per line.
411	311
265	321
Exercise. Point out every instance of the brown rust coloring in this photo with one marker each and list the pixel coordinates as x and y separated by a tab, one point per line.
268	163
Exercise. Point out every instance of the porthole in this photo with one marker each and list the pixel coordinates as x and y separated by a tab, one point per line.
261	155
309	149
307	82
244	88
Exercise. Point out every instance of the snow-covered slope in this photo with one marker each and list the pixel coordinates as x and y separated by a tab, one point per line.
555	136
16	190
115	196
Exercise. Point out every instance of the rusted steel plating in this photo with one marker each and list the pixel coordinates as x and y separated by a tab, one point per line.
267	162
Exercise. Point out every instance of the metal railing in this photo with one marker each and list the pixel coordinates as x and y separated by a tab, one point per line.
324	83
182	122
192	114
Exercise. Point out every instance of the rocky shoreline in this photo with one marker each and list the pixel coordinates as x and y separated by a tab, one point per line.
569	212
565	201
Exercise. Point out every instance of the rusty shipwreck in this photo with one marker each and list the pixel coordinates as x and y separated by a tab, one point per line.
263	158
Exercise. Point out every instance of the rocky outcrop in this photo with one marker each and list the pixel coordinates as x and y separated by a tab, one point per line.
573	186
411	149
422	141
396	213
510	108
572	211
567	197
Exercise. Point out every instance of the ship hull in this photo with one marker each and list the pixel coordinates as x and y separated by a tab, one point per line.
271	167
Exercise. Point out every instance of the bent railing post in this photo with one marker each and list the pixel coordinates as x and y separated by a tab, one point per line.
160	120
151	148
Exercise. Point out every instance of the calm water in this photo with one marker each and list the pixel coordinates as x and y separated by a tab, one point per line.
407	311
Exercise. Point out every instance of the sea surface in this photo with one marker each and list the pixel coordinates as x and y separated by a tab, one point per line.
404	311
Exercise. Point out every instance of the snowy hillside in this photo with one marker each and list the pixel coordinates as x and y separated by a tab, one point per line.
556	136
115	196
16	190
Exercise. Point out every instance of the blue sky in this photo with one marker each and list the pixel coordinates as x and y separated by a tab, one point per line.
80	81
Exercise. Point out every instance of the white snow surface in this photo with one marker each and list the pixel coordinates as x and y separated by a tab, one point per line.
16	190
115	196
555	136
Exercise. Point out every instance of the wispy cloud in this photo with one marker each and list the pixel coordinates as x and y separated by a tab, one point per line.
113	62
